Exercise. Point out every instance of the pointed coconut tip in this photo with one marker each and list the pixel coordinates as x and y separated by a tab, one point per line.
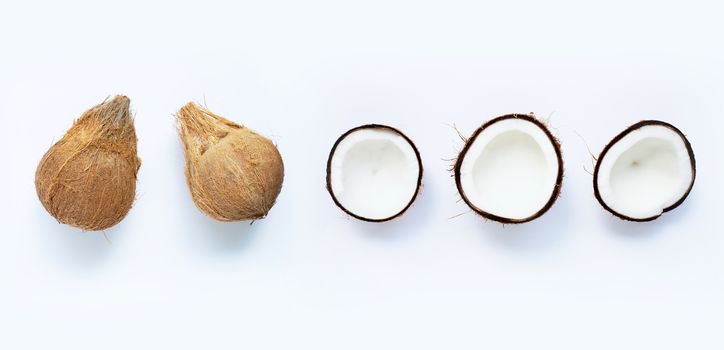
198	121
510	169
115	110
121	100
190	116
117	102
190	111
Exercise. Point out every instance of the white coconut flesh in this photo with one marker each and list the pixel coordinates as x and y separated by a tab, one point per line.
646	171
374	173
510	170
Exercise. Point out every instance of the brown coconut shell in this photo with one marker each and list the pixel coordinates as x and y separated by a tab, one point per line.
329	171
618	138
88	178
555	193
232	172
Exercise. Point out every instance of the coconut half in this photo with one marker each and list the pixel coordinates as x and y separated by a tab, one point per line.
645	171
374	173
510	169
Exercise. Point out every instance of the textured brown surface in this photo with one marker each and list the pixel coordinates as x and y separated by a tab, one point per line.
88	178
232	172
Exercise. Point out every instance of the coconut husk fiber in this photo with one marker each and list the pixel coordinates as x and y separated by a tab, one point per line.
232	172
88	178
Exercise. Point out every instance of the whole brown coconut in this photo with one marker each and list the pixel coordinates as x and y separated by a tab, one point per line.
232	172
88	178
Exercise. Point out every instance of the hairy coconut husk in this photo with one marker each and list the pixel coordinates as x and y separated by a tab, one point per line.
232	172
88	178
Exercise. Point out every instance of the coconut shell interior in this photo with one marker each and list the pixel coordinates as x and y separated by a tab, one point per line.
329	172
618	138
559	177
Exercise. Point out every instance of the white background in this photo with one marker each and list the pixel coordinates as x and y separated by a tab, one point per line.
309	277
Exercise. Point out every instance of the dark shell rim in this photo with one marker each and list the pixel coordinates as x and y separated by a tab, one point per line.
618	138
329	171
559	177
